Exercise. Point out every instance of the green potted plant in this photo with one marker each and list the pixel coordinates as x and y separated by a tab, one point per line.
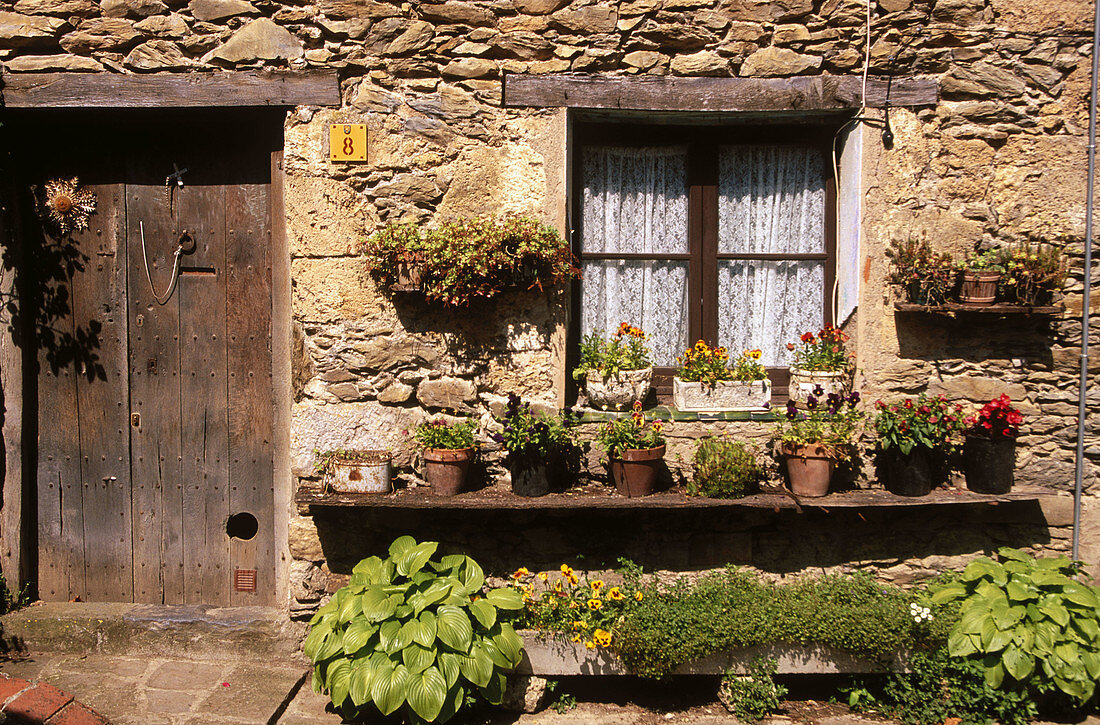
635	449
470	259
989	447
706	380
724	469
355	471
979	274
914	439
812	441
1034	273
924	277
448	452
615	371
820	360
416	634
541	449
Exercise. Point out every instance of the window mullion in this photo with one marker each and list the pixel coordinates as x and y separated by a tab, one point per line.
708	247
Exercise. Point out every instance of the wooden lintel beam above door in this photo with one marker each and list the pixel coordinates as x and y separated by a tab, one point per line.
667	93
171	90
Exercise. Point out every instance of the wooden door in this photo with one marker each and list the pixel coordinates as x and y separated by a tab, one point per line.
155	452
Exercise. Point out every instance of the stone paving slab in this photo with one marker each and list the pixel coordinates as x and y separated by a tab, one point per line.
162	691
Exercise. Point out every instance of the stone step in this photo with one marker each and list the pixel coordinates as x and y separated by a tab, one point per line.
190	631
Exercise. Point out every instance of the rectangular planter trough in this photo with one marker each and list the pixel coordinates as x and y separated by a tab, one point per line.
547	656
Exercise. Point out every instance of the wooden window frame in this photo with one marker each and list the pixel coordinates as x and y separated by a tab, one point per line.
702	142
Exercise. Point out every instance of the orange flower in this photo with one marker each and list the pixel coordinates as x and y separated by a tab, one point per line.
520	573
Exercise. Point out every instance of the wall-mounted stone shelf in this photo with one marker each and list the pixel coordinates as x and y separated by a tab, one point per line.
952	308
548	656
500	497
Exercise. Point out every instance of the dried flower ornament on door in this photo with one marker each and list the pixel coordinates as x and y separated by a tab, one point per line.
65	205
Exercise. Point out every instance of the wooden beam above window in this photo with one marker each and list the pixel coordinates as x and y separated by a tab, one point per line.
670	93
170	90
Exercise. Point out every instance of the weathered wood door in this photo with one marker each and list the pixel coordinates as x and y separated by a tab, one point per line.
155	458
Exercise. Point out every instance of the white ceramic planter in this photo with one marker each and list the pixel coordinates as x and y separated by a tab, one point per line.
370	476
803	383
617	392
723	395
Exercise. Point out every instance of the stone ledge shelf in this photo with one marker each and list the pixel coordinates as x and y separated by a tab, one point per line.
547	656
952	308
500	497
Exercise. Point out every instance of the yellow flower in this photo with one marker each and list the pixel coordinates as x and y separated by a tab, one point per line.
638	596
576	638
594	604
528	589
602	637
542	576
596	585
520	573
579	625
566	570
572	578
590	644
558	587
614	593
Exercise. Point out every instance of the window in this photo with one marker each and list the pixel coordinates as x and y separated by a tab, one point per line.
698	232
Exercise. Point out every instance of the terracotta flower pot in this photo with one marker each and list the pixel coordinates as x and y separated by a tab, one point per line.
446	469
989	464
635	471
979	287
810	469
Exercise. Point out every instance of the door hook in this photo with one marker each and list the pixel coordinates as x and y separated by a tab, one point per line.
185	245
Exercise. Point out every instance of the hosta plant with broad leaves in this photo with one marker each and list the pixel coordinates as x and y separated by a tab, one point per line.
415	634
1029	621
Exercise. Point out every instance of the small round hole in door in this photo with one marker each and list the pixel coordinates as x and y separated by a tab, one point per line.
242	526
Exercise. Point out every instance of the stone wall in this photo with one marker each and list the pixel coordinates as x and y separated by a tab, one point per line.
1000	159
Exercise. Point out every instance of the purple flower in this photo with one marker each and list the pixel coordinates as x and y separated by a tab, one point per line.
819	391
498	437
853	398
811	401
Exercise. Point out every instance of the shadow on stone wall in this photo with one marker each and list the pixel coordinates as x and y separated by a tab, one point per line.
976	337
780	542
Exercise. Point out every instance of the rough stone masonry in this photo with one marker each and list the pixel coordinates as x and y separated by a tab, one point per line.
999	159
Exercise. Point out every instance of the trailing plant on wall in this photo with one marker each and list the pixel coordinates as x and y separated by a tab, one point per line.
468	259
414	633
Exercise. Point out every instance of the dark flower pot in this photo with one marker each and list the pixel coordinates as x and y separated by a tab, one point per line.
909	474
989	464
531	475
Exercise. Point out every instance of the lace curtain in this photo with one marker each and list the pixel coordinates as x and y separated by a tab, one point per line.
635	201
771	199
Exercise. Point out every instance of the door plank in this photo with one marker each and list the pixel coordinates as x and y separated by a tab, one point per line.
251	412
60	553
158	521
103	405
204	423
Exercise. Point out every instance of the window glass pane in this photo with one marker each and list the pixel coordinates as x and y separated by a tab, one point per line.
635	200
771	200
765	305
652	295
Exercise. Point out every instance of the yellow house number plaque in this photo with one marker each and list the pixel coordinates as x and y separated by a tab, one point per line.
348	141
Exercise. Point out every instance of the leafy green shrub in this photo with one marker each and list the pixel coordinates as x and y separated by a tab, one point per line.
416	632
439	434
1028	622
752	696
724	469
735	609
938	687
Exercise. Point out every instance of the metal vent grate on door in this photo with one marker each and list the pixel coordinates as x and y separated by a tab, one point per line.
244	580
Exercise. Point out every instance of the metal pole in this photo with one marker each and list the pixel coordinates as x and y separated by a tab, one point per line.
1082	409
